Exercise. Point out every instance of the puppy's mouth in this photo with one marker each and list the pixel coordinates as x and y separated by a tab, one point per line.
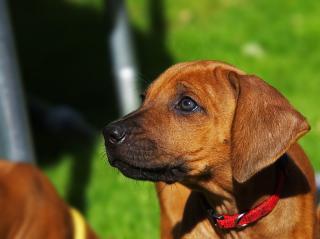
167	173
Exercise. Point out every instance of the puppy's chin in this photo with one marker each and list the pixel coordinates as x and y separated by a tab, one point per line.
165	173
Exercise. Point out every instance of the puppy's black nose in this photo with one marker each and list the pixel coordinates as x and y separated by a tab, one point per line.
114	134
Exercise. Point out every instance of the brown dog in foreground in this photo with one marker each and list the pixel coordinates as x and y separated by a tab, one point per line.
227	140
31	208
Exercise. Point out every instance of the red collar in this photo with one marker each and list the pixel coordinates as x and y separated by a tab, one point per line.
243	219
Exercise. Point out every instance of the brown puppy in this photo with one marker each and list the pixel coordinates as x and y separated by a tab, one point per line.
228	142
31	208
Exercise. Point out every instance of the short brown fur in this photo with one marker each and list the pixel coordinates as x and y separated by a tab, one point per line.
30	206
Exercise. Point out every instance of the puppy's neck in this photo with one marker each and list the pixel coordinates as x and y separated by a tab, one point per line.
230	197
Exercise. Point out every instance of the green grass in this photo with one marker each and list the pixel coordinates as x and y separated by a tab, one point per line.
277	40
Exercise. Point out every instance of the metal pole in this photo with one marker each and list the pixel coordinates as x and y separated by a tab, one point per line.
15	140
123	62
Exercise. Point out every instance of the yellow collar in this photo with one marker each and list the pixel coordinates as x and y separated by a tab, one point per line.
79	225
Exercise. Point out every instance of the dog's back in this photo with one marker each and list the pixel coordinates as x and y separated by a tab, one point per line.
318	216
30	206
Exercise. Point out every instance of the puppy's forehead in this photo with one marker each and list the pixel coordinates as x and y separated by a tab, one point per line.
194	73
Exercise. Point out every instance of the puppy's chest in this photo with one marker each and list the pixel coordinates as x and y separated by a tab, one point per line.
203	229
206	230
203	232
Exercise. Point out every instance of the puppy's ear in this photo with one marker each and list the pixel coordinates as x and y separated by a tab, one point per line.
264	125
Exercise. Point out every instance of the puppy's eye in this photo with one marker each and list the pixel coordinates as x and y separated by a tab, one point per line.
187	104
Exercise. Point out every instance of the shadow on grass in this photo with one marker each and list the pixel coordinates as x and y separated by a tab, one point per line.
152	53
65	61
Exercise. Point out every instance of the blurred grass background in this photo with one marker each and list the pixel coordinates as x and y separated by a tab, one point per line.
62	48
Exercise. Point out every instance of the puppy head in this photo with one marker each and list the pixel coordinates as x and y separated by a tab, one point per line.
198	118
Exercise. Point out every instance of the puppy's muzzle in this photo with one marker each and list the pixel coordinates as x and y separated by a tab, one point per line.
137	156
